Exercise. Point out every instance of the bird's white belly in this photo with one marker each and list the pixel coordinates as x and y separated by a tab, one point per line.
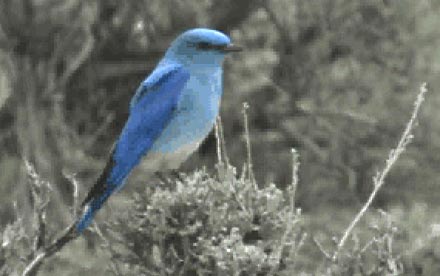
162	161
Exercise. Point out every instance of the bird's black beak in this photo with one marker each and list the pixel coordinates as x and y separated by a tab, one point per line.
232	48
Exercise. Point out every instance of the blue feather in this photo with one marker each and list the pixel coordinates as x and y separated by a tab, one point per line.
173	110
149	115
151	109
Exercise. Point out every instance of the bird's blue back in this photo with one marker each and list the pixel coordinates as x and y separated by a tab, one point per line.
150	112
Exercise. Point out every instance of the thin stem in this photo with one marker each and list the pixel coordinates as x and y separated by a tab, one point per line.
219	146
378	179
294	184
248	144
223	141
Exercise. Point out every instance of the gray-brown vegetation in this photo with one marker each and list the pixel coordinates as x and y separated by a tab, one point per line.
333	79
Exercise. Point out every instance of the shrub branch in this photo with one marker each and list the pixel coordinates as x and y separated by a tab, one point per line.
40	191
378	179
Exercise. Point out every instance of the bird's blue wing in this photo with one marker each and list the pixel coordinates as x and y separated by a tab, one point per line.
162	75
151	109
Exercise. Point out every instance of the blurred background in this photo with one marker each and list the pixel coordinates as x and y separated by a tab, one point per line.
334	79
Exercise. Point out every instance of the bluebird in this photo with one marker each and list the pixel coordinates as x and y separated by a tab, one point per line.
171	113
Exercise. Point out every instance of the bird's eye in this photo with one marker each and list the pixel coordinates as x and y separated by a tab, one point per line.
203	46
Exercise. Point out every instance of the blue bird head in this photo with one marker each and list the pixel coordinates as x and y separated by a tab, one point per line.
201	47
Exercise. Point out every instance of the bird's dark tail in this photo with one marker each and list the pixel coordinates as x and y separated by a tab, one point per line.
92	207
96	197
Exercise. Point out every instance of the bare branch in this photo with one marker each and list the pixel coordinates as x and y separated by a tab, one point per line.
321	248
76	63
40	190
218	138
221	140
378	179
248	145
75	195
294	184
69	235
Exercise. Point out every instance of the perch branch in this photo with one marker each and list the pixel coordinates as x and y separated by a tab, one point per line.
33	267
40	190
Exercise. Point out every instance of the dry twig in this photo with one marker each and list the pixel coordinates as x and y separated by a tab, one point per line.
378	179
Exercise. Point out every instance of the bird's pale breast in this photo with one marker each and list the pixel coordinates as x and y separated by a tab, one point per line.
195	118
